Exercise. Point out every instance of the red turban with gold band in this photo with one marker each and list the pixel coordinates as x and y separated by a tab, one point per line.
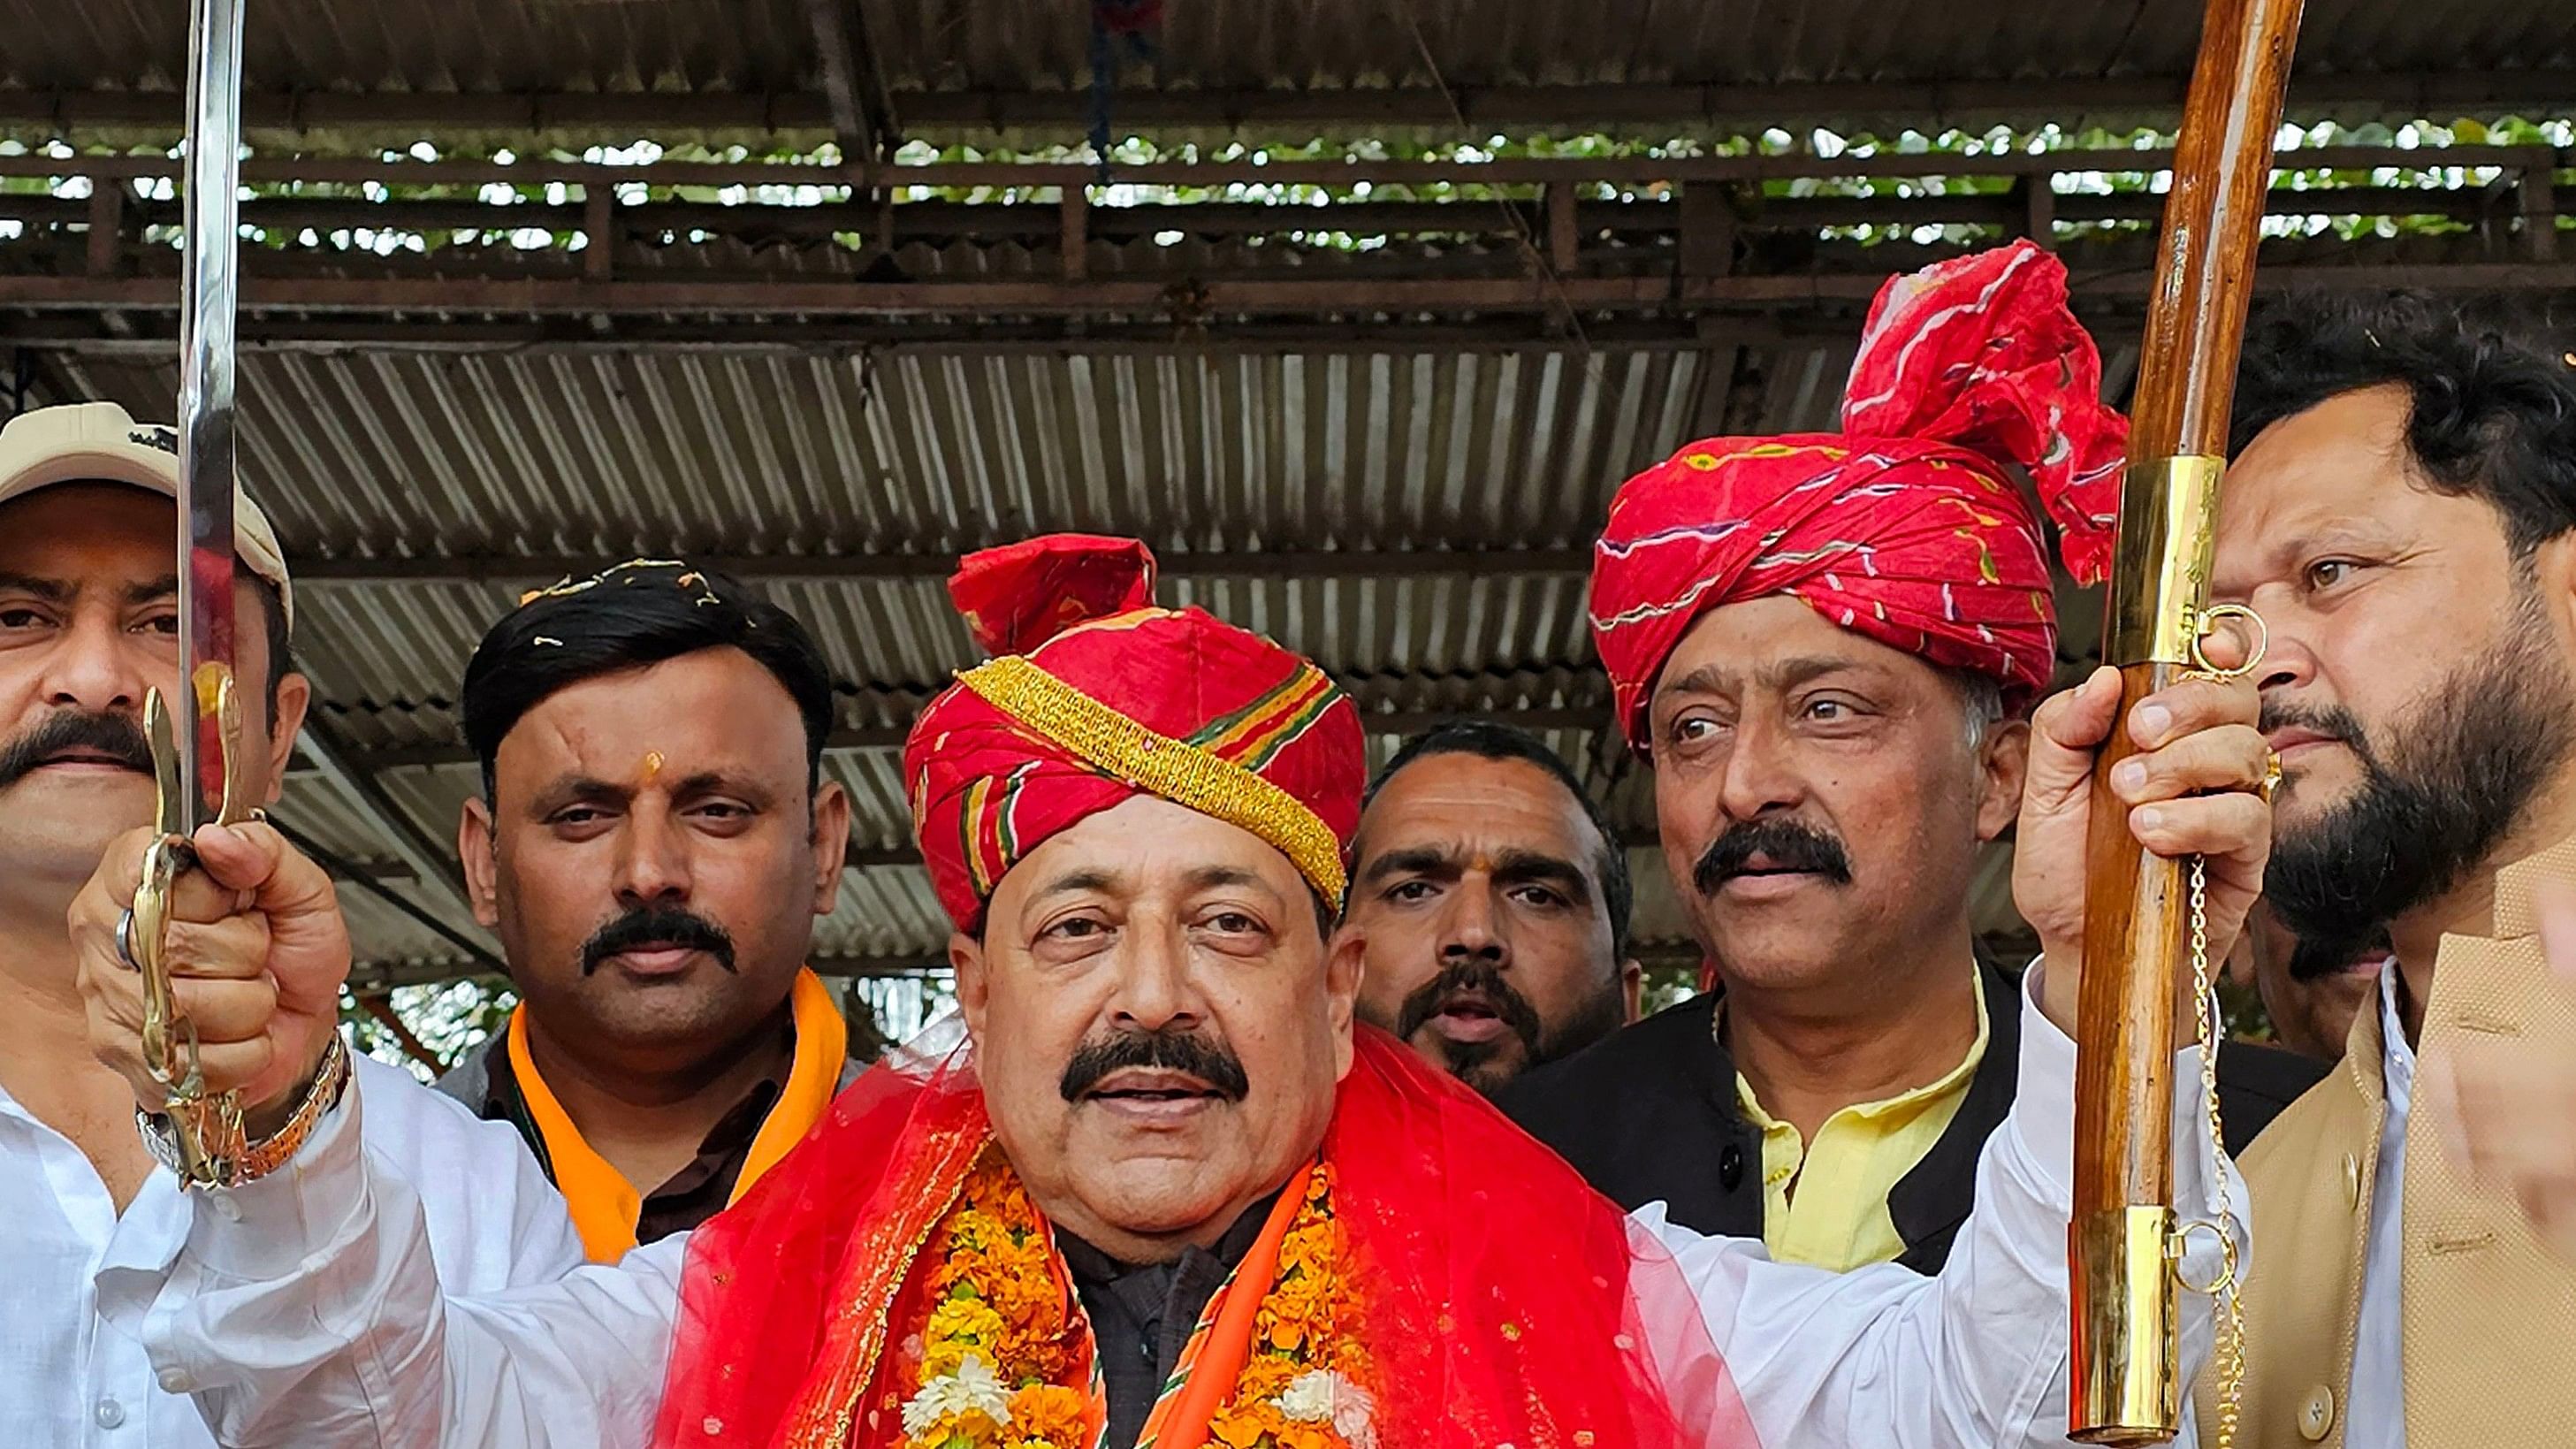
1907	525
1094	696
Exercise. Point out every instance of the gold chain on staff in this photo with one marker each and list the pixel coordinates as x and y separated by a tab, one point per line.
2228	1307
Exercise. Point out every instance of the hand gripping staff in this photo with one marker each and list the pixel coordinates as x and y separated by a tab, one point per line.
2144	914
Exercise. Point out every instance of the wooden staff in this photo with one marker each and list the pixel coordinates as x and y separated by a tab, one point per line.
2137	915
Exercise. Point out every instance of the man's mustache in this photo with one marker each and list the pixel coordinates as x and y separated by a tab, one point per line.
652	926
1190	1052
1787	844
2330	720
115	736
1424	1001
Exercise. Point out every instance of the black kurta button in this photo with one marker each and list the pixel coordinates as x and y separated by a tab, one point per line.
1730	1167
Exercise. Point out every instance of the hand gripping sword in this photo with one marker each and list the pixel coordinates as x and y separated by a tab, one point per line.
197	758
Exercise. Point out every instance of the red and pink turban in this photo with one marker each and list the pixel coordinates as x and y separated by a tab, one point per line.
1906	526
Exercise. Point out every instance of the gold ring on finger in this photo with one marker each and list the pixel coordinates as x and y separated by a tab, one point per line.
2270	784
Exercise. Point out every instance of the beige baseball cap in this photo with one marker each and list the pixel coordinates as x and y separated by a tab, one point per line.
99	442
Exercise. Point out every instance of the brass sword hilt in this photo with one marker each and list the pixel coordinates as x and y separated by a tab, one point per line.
207	1130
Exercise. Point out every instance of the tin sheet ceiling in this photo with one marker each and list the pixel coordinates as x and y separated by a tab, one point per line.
371	456
953	60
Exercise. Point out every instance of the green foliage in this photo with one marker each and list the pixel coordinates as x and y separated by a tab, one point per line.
450	1018
2241	1006
546	222
1669	982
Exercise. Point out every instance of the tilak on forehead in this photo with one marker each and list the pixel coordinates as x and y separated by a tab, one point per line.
1095	696
1907	526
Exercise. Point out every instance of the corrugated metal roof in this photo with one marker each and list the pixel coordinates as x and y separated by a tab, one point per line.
752	46
383	460
1249	44
854	472
395	455
463	45
390	455
928	50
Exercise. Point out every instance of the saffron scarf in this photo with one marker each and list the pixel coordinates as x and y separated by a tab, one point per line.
605	1206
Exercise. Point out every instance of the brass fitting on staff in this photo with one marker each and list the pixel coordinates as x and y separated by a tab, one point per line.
2160	571
2120	1267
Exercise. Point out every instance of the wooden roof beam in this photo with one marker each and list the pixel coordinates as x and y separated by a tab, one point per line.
1151	297
854	88
621	115
313	570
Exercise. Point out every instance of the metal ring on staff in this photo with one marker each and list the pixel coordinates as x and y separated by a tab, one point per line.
2205	623
2226	1275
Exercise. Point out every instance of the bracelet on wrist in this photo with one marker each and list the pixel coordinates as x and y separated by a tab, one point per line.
258	1159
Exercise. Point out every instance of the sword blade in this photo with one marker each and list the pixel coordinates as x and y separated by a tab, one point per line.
209	286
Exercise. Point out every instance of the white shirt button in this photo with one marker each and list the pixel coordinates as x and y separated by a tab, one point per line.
177	1381
109	1413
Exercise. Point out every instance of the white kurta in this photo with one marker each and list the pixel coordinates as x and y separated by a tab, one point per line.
314	1316
67	1377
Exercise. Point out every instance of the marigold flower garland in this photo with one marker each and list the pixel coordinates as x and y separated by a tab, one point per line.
1305	1383
1000	1342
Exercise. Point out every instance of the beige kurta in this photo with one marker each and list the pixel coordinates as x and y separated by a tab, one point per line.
2489	1313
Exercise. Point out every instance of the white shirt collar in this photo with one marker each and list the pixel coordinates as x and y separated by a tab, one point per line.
2397	1055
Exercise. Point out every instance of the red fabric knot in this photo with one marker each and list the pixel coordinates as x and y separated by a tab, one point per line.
1019	596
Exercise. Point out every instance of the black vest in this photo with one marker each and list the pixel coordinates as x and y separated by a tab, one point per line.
1650	1115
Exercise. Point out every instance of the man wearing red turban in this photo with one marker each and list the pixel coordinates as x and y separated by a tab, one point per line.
1217	1193
1826	645
1160	1190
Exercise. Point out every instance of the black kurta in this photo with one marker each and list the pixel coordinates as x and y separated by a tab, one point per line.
697	1192
1651	1115
1142	1316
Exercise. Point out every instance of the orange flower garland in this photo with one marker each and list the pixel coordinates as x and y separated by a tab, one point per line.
1305	1384
1001	1337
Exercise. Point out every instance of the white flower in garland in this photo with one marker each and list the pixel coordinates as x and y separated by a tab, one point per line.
971	1389
1321	1396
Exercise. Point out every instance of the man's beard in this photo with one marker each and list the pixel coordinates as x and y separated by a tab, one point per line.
1600	1013
2434	801
2317	960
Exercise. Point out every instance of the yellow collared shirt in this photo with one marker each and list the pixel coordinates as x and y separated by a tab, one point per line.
1838	1218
